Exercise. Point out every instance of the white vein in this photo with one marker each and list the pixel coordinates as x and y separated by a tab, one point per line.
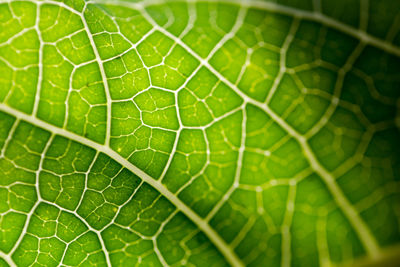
358	224
103	75
194	217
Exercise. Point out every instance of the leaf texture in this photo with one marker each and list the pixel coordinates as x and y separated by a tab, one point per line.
194	133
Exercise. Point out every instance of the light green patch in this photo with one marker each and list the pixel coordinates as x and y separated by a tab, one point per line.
54	89
188	161
207	32
218	176
176	68
154	48
180	14
126	76
158	109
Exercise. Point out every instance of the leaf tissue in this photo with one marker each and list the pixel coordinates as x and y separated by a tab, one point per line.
199	133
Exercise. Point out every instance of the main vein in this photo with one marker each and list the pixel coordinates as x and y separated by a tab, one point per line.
360	227
223	247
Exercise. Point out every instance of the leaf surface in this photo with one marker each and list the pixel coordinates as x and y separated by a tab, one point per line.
174	133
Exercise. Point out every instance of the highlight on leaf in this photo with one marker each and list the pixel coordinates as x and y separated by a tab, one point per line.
196	133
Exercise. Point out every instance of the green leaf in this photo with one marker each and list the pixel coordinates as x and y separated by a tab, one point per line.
196	133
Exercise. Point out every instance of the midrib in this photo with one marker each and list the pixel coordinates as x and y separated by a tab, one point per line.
202	224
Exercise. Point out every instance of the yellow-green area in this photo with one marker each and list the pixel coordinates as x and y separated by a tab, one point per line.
199	133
